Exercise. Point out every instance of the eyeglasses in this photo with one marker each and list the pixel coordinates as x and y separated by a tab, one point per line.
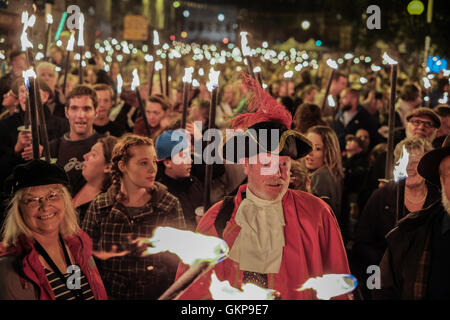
426	124
35	202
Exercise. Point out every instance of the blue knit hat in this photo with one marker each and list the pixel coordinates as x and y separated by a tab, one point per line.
170	143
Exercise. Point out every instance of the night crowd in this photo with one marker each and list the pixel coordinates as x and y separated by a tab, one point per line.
111	182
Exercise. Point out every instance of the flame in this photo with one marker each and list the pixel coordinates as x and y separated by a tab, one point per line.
125	48
49	18
222	290
363	80
155	38
426	83
288	74
348	56
375	68
332	64
71	42
389	59
195	83
158	66
119	84
257	69
331	102
135	83
444	98
330	285
148	58
27	74
244	44
190	247
27	22
188	74
213	79
400	169
81	31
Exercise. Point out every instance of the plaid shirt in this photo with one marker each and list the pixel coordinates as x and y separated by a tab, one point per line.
107	223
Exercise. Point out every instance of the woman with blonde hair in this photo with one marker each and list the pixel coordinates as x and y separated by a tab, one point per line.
132	207
42	246
324	163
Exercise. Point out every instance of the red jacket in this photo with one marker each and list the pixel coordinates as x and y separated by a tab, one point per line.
313	247
32	271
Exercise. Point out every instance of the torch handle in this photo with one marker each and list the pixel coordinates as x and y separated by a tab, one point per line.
209	167
186	280
167	75
250	67
150	81
391	124
34	120
66	70
324	101
160	81
185	104
142	108
80	51
42	123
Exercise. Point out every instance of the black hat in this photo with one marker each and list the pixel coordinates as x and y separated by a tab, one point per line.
35	173
429	164
258	138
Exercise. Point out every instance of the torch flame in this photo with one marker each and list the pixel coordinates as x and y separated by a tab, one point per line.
389	59
400	169
222	290
244	44
330	285
135	83
148	58
331	102
288	74
27	74
426	83
27	22
81	31
49	18
332	64
119	84
155	38
188	74
257	69
375	68
158	66
71	42
213	79
190	247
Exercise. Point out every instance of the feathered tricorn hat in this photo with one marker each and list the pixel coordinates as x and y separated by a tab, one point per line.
264	128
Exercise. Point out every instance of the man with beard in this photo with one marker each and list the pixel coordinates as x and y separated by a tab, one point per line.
352	117
278	237
416	263
102	123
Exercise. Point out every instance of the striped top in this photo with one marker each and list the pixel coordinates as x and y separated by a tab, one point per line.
62	292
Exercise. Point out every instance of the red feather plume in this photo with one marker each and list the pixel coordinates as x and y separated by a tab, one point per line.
263	107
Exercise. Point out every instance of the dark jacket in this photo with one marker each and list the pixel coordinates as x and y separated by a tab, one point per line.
189	192
378	218
56	127
405	264
361	120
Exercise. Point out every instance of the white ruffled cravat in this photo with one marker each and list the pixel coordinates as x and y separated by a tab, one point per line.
259	245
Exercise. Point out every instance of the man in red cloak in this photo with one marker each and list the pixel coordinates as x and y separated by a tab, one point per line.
278	237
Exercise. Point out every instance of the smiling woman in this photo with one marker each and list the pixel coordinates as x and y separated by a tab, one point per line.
42	241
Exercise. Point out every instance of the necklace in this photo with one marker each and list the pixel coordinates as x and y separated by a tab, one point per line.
417	202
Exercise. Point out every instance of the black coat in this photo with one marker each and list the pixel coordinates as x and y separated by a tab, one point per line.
403	275
56	127
189	192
